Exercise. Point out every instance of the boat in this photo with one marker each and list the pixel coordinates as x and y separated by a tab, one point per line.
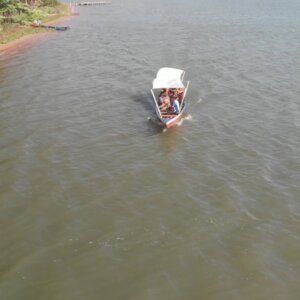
170	80
57	28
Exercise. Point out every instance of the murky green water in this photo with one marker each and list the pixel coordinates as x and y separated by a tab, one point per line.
98	202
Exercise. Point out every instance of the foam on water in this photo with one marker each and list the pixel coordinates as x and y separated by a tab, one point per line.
186	118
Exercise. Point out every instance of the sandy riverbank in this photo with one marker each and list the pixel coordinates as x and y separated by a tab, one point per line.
31	38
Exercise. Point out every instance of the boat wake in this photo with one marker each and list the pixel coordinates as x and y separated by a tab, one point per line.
200	100
153	120
187	118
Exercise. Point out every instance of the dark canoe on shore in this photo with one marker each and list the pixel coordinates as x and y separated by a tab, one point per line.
57	28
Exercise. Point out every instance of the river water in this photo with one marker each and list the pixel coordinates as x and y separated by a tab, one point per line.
98	202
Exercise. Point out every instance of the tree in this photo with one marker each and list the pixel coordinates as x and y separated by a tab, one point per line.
11	7
8	7
49	2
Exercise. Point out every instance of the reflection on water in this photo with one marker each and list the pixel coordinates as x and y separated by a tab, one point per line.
2	73
97	199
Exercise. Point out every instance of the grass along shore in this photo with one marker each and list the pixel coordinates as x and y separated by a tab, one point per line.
20	24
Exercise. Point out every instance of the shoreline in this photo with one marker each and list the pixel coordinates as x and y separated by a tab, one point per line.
30	38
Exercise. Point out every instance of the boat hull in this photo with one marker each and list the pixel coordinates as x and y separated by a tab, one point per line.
167	122
57	28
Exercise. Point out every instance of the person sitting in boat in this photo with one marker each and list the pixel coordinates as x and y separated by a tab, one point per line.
180	94
172	93
175	105
162	92
161	98
164	102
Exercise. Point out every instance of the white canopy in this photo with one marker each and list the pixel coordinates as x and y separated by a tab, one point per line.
168	78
